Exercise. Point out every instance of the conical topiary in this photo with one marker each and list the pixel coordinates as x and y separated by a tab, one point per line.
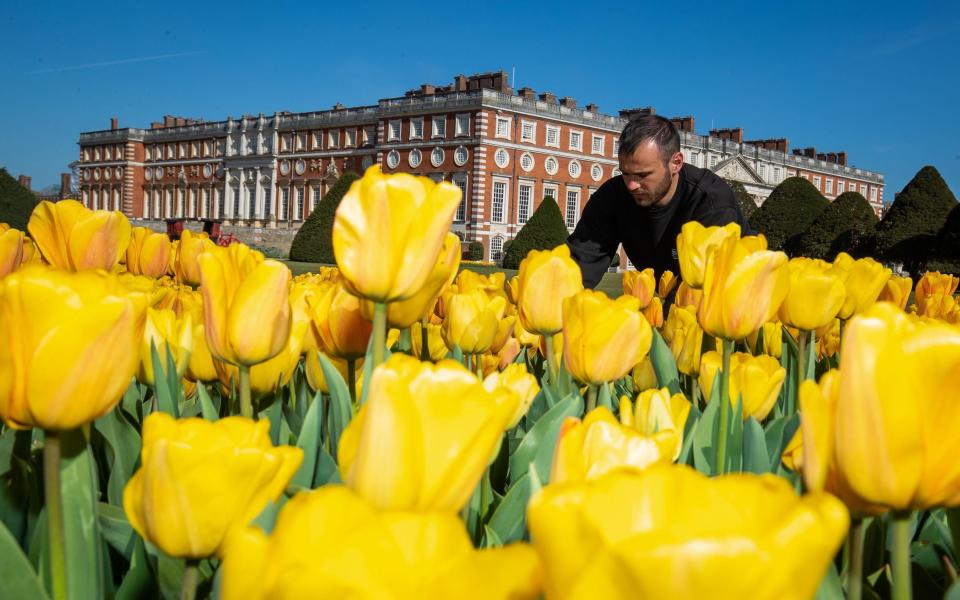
314	239
544	230
789	210
16	202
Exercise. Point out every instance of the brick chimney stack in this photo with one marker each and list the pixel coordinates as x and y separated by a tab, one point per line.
734	134
548	97
527	93
630	113
568	102
683	123
842	158
778	144
114	123
24	180
65	185
592	108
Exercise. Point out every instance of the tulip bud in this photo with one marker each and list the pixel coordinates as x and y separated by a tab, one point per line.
74	238
816	295
640	285
546	279
148	253
693	247
472	321
754	380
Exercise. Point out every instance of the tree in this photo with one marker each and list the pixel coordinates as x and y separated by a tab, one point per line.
314	239
474	251
946	250
544	230
16	202
789	210
839	228
748	204
909	229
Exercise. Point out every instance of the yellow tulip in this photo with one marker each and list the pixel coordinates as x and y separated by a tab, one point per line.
74	238
342	329
425	435
792	456
641	285
404	313
757	379
897	291
526	338
742	289
148	253
31	253
599	444
687	296
557	347
653	313
388	232
504	332
329	543
644	377
670	532
516	379
655	410
883	429
683	334
933	283
11	249
492	284
315	376
246	304
472	321
186	256
936	306
198	479
693	247
668	281
70	346
272	374
546	279
168	334
772	339
438	348
816	295
863	279
513	290
602	338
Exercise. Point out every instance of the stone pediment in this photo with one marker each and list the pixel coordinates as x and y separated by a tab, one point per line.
736	168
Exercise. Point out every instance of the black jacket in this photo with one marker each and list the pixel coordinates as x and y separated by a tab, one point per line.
649	235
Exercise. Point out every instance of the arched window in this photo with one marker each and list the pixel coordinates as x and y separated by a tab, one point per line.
496	248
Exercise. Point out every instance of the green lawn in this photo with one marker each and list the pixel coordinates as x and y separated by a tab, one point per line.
610	284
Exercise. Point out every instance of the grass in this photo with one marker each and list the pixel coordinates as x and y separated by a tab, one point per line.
610	284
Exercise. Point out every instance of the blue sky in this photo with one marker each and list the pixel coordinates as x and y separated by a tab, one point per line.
880	80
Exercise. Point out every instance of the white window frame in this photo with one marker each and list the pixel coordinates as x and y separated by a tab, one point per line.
829	186
369	135
333	138
460	180
528	131
301	196
579	145
841	187
616	147
873	193
350	138
315	198
574	165
597	148
504	200
523	159
551	187
496	255
524	205
546	165
714	159
462	125
863	190
438	126
394	130
500	152
284	203
415	123
267	201
567	220
318	140
776	174
505	134
555	131
816	182
762	171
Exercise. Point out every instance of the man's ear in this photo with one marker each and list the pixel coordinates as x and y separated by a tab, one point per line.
676	163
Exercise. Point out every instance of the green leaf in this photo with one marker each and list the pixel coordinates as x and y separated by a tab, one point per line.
341	407
490	538
78	481
509	520
953	592
207	408
116	530
707	431
735	438
274	415
778	434
124	442
18	577
755	456
138	582
165	394
309	442
664	365
326	470
538	444
605	399
831	587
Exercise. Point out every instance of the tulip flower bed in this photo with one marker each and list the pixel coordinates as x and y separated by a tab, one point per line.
185	420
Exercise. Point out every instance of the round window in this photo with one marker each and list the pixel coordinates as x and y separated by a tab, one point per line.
158	173
596	172
207	170
460	156
574	169
414	158
96	173
526	161
300	167
551	165
285	167
436	157
393	159
501	158
147	174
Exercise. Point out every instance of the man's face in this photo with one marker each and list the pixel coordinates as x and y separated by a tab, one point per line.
647	177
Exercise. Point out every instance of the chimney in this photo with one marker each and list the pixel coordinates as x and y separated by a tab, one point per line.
24	180
683	123
114	123
548	97
821	156
64	185
427	89
168	120
591	108
338	106
842	158
810	152
568	102
630	113
527	93
831	157
735	134
460	83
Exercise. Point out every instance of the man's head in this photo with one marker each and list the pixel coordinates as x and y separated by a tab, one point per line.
650	160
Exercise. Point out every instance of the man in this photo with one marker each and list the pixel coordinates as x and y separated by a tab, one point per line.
645	207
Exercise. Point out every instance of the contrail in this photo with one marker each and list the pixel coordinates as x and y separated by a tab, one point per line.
117	62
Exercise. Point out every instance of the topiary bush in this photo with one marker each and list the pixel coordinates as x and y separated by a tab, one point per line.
474	251
789	210
314	239
946	250
16	202
839	228
544	230
748	204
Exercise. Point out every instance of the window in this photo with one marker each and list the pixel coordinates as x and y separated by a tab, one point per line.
816	182
416	128
436	157
616	147
333	138
551	165
694	159
393	130
169	151
873	193
194	149
316	198
298	215
439	127
221	203
496	248
285	143
252	203
524	197
574	169
267	202
317	140
501	158
528	131
553	136
236	202
350	139
414	158
776	174
460	156
503	128
550	191
284	203
107	153
499	195
526	161
829	189
393	159
713	160
369	135
841	186
301	141
576	140
863	190
252	143
596	145
573	208
463	125
460	180
206	202
596	172
762	170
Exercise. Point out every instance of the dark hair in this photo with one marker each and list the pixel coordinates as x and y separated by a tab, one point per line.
650	127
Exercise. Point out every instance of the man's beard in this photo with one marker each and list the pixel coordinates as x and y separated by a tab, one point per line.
654	197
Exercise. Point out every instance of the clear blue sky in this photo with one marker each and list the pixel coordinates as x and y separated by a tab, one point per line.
880	80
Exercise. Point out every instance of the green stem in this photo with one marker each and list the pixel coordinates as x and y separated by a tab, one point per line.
953	522
551	361
424	341
591	397
352	379
855	563
246	404
695	391
802	356
191	576
721	463
55	530
478	365
379	332
900	559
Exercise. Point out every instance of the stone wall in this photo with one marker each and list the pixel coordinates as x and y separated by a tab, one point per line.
274	243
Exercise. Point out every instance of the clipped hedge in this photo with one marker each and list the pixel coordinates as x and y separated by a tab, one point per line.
16	202
314	239
789	210
544	230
